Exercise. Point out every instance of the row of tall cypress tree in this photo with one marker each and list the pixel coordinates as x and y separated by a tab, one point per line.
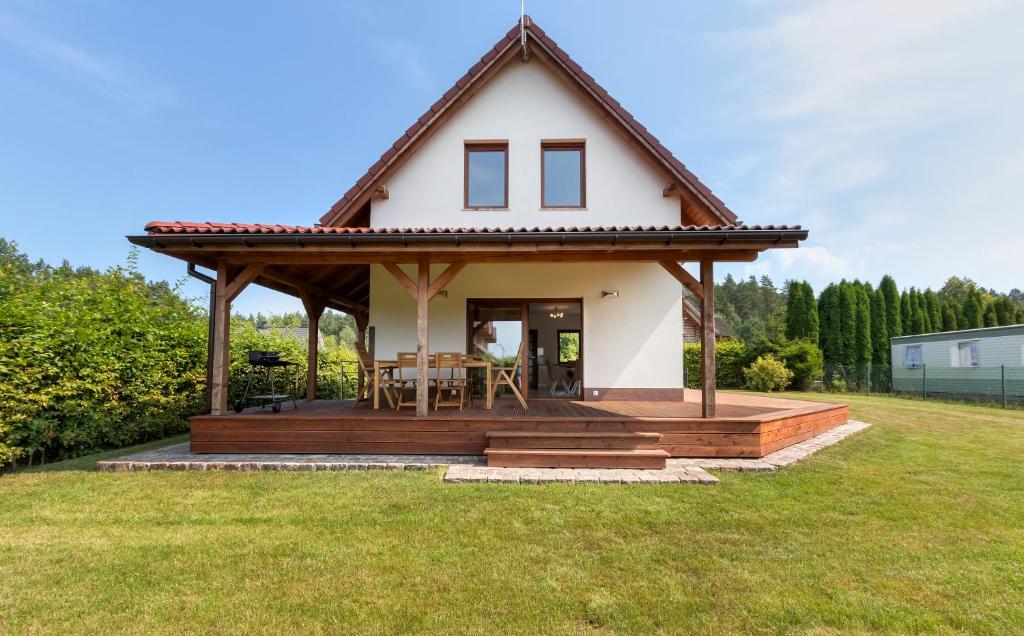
852	321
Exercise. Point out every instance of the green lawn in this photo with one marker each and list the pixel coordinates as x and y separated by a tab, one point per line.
915	525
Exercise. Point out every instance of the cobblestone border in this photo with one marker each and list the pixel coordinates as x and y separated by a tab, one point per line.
472	469
678	470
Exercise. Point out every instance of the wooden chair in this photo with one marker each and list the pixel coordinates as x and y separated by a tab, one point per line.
366	368
507	376
450	380
406	365
557	375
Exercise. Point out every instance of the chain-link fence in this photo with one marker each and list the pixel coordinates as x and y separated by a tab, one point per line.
857	378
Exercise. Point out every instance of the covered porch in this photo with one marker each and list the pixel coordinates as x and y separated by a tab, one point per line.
331	267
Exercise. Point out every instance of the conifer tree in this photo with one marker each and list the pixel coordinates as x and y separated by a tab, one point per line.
991	320
973	317
908	327
879	329
796	311
811	311
892	306
847	322
828	335
862	325
948	317
934	314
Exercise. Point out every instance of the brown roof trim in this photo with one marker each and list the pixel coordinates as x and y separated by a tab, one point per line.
342	211
250	229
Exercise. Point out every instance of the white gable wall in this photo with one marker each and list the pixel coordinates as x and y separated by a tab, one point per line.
526	103
629	342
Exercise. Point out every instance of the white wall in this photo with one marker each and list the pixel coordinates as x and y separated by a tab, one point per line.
633	341
525	103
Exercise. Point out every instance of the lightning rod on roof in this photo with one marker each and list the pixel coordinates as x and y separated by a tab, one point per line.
522	31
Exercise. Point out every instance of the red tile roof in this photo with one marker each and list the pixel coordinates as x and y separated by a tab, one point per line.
186	227
366	183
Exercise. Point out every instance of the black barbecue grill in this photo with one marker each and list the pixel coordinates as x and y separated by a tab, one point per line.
264	362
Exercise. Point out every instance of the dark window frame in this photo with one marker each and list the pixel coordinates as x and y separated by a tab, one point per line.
565	144
486	146
579	340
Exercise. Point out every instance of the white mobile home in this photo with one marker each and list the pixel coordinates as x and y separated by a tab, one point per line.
970	364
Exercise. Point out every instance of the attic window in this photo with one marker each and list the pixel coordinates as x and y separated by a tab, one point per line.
486	178
563	174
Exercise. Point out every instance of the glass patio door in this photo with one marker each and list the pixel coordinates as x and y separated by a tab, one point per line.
495	331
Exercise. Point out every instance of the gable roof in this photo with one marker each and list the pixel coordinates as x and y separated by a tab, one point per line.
689	186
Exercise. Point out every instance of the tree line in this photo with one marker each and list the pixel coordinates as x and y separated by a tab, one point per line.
852	321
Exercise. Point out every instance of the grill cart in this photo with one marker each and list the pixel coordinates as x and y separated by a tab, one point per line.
264	363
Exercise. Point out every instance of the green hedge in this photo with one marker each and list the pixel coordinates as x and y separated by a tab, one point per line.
730	359
92	360
803	358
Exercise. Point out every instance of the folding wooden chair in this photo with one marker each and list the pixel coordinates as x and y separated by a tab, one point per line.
450	380
366	368
507	376
406	365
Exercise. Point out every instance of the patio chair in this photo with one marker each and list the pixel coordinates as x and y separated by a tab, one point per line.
557	376
450	380
406	365
366	368
507	376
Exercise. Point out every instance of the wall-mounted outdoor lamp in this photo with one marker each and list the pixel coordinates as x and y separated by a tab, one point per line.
612	293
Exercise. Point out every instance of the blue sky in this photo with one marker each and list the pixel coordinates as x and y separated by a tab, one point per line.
891	130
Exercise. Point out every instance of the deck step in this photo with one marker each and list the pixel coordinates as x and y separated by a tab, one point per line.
551	440
576	458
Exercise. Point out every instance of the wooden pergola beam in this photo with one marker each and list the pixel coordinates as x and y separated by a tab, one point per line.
330	297
242	280
684	277
403	279
446	277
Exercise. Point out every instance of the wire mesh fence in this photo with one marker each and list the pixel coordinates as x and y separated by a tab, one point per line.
1000	385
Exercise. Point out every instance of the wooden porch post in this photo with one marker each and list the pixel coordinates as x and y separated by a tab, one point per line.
221	344
422	332
314	310
362	318
227	288
707	337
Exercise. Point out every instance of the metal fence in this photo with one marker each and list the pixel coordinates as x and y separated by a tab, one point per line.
1002	385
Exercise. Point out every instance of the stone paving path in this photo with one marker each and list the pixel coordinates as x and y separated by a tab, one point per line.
473	469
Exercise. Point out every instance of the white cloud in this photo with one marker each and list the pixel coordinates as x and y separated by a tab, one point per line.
101	75
891	130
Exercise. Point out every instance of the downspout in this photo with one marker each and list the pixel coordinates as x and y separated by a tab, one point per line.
212	282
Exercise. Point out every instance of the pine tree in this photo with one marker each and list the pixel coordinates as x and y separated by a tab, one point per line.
892	306
948	317
811	311
879	329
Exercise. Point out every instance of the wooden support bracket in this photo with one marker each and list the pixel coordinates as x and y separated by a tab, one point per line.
684	277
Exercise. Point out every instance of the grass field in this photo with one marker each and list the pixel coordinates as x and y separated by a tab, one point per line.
915	525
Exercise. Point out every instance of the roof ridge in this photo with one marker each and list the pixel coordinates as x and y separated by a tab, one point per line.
343	208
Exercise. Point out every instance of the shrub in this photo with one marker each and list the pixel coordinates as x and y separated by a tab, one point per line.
730	358
806	362
767	373
92	360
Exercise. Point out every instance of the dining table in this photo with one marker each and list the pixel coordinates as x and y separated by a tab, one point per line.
389	366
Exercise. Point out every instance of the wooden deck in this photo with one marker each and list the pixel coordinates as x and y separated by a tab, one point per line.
746	426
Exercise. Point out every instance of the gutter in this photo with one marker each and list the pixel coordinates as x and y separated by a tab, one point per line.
212	282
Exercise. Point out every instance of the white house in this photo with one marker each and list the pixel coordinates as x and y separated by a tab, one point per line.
525	212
